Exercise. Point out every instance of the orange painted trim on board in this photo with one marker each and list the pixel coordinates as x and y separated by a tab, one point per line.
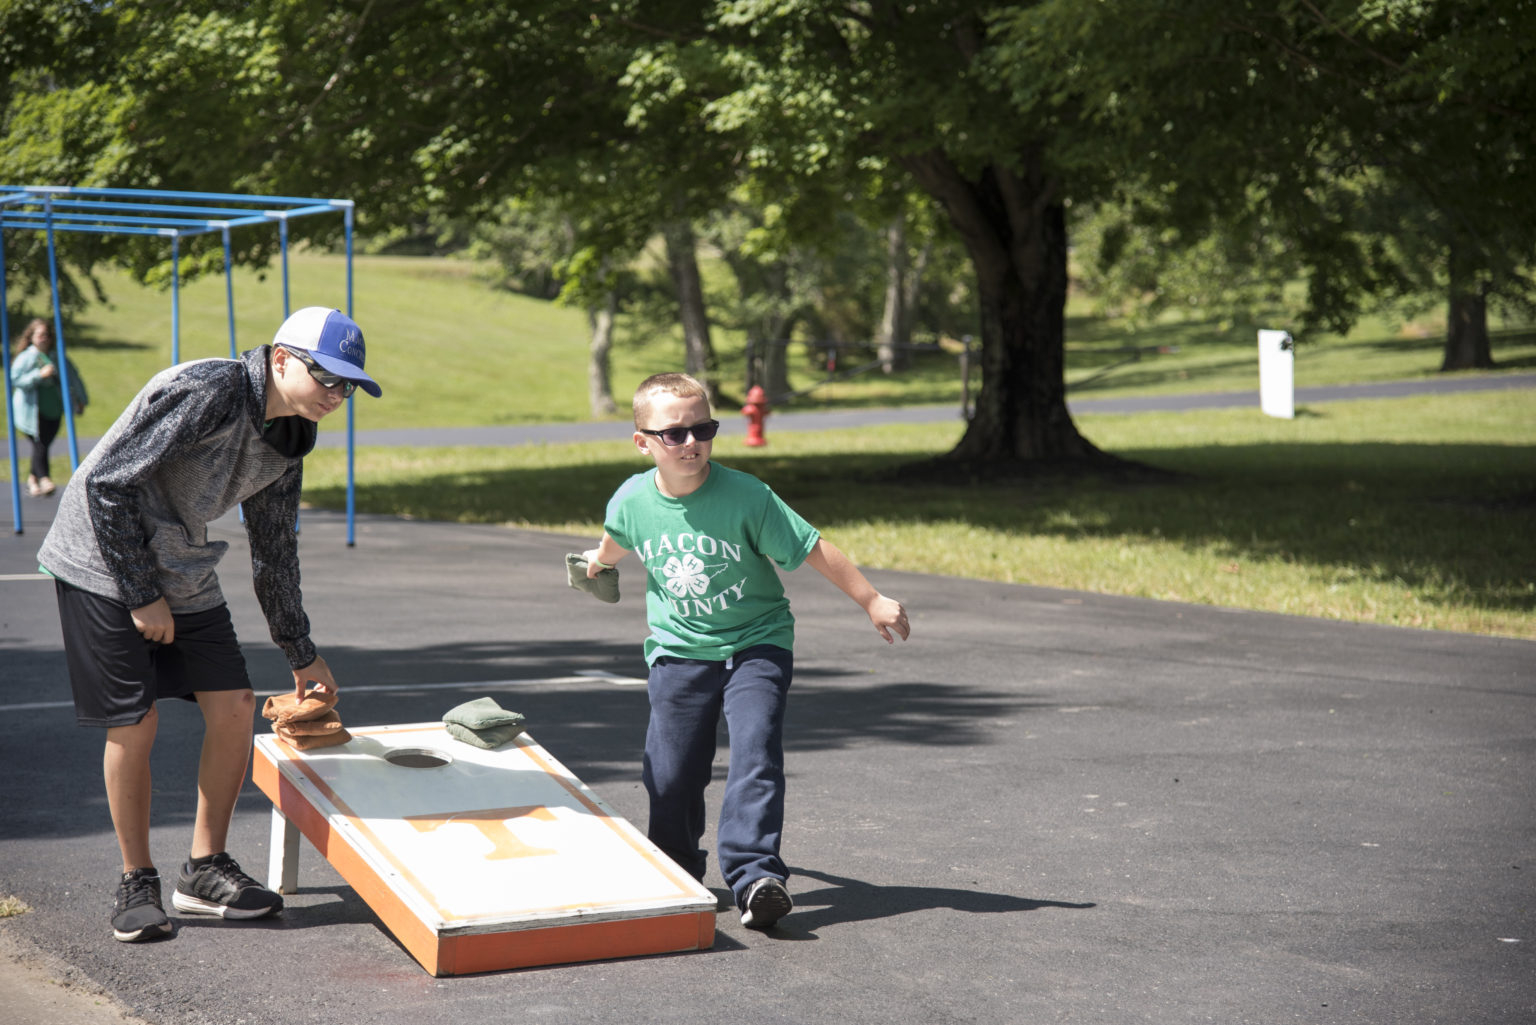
563	944
414	934
665	866
479	952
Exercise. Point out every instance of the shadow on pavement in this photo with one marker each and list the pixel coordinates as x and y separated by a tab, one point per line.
846	900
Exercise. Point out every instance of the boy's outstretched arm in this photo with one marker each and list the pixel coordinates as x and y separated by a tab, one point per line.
886	613
607	552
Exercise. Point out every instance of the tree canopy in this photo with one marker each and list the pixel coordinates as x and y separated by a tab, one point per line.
1374	146
1379	149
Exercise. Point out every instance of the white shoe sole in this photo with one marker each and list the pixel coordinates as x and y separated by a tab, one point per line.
149	932
197	906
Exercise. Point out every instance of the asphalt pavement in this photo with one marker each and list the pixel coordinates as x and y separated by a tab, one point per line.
1047	806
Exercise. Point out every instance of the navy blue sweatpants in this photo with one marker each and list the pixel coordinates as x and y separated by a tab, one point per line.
687	699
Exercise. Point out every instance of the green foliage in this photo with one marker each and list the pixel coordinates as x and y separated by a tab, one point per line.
67	37
530	241
1378	149
61	125
1358	145
453	352
1142	269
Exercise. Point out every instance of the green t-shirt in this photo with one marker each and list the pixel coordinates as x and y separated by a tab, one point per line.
711	588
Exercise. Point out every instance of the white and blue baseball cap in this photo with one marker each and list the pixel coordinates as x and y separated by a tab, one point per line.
331	339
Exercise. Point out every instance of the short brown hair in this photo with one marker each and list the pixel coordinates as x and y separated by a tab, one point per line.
684	386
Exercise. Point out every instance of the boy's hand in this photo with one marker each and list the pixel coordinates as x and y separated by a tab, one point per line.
318	673
155	622
593	569
889	617
583	575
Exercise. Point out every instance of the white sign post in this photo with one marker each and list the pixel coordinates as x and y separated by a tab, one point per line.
1277	374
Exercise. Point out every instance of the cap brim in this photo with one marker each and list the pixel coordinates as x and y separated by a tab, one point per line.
341	368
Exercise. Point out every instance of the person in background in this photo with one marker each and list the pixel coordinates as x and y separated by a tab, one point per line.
37	399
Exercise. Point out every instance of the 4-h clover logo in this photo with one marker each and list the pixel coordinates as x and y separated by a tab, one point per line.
684	575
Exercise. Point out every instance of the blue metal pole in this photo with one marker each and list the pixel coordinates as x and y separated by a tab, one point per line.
10	414
229	308
175	299
351	480
173	194
229	296
58	340
282	235
65	210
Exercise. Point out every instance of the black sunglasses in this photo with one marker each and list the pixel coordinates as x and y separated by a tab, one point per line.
675	436
321	375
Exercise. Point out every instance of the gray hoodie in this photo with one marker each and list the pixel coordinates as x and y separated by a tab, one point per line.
132	525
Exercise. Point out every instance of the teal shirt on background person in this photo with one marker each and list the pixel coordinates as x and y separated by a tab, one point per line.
34	396
711	560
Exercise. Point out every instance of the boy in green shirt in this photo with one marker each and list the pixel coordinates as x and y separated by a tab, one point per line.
721	637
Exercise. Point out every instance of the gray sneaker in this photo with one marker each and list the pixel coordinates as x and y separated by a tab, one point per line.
137	914
766	902
220	888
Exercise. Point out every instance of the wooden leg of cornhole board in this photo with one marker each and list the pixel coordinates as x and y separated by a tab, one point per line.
283	863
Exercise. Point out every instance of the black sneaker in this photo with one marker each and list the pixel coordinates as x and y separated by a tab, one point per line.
137	914
767	901
220	888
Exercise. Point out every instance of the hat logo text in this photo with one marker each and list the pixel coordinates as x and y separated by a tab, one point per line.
352	345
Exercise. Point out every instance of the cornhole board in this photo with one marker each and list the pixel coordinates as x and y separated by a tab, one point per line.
478	860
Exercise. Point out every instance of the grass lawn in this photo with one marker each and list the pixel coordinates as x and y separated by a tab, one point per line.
1412	512
451	352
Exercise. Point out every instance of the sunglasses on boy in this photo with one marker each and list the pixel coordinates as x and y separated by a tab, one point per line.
675	436
322	376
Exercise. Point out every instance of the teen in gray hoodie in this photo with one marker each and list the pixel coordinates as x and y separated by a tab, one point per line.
142	613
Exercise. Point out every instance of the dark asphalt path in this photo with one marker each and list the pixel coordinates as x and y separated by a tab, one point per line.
1048	806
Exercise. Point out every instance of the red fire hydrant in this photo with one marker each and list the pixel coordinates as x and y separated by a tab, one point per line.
756	411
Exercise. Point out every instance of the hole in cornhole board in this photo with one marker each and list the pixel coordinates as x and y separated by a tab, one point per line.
418	758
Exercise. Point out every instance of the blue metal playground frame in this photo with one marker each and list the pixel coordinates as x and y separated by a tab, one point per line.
169	214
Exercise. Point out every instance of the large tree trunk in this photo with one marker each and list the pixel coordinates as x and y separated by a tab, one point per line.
770	358
599	390
775	368
768	335
682	258
890	345
914	289
1013	224
1466	337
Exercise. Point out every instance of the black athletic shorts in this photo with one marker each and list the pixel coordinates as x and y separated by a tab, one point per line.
117	675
